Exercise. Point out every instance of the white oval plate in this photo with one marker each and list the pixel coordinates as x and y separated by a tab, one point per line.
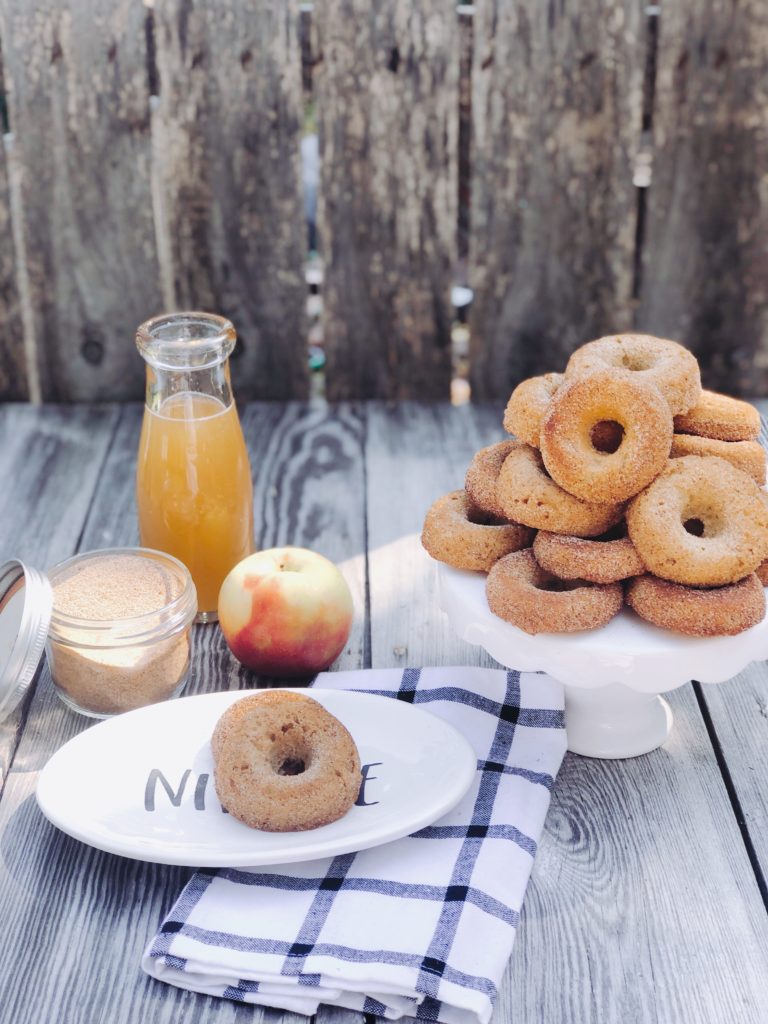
141	784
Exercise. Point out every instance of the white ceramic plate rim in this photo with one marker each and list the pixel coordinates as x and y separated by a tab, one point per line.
299	846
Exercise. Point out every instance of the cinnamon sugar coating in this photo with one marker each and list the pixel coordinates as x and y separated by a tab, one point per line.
721	417
668	365
457	533
748	456
702	522
720	611
528	405
283	763
603	396
483	472
599	561
529	495
521	592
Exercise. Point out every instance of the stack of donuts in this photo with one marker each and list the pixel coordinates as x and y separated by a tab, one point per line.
624	482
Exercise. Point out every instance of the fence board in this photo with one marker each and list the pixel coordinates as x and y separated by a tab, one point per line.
228	125
557	105
387	79
705	267
13	373
76	75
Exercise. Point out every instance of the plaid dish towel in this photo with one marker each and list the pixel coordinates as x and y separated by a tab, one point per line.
422	926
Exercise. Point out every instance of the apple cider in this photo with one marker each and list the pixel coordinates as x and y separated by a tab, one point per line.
193	484
194	488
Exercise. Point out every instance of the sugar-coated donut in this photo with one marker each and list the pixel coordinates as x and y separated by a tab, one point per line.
528	495
762	572
603	396
521	592
483	472
720	611
606	559
282	763
672	368
721	417
748	456
702	522
457	533
527	405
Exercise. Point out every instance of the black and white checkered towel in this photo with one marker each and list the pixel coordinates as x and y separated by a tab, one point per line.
422	926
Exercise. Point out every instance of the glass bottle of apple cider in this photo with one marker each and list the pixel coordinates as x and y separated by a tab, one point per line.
193	483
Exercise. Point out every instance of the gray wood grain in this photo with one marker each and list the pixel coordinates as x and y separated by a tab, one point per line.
227	131
414	454
50	464
77	81
13	371
387	89
642	905
557	102
308	482
705	260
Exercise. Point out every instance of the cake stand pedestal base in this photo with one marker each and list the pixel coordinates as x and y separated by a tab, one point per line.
614	721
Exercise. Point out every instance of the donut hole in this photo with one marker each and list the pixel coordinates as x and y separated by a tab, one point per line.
637	361
702	522
606	436
290	758
479	517
553	584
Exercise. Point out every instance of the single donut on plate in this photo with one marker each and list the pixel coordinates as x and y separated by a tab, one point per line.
605	559
672	368
283	763
567	447
749	456
720	611
521	592
528	495
527	405
702	522
482	474
457	533
721	417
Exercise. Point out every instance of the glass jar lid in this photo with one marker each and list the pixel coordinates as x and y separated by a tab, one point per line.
26	603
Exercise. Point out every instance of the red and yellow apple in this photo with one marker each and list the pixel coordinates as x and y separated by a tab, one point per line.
285	612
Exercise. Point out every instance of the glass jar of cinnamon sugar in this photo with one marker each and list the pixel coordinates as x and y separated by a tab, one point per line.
120	630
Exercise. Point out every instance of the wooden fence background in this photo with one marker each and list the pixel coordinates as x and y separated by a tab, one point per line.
152	161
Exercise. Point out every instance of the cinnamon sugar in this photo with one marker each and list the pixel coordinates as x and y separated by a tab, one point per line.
120	635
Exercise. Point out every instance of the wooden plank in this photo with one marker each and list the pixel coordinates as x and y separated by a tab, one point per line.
14	385
642	895
50	461
414	454
308	482
227	130
77	80
705	260
557	105
387	99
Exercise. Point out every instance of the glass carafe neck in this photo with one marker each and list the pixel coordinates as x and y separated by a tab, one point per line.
186	354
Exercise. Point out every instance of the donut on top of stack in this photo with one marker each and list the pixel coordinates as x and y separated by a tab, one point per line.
630	472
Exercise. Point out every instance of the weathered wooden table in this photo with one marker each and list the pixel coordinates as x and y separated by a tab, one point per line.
648	897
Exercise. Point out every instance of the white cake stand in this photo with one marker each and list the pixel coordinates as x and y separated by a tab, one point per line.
612	676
